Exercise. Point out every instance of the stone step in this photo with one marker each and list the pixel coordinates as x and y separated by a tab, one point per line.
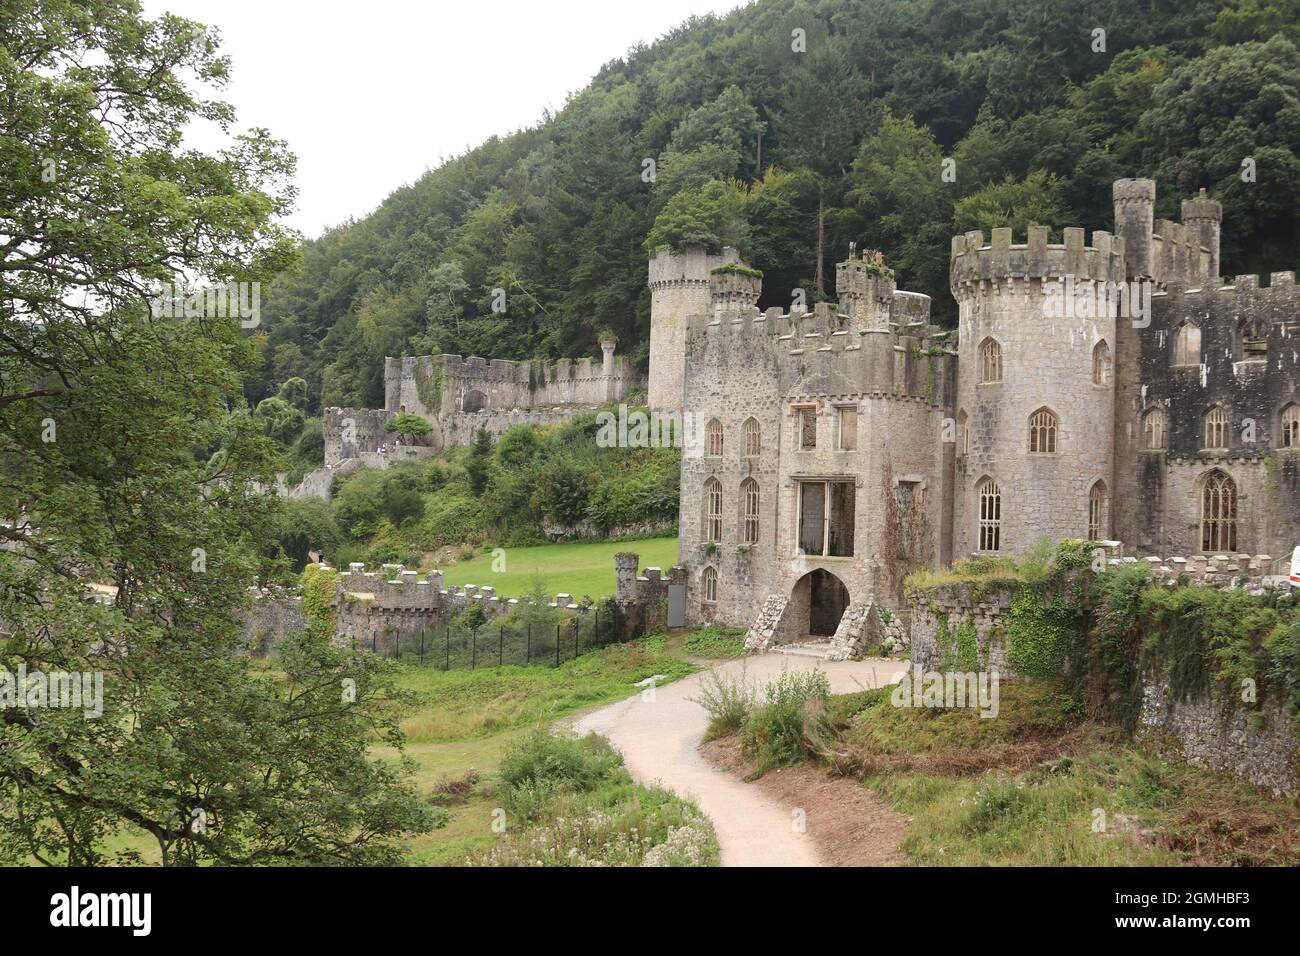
818	649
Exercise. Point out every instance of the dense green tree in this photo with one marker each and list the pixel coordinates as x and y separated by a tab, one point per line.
711	216
558	215
401	498
478	465
109	419
1035	200
293	391
281	420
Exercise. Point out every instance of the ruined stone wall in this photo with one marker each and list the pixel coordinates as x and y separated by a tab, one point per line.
1260	746
379	609
499	384
1047	364
643	598
352	432
951	608
271	618
460	428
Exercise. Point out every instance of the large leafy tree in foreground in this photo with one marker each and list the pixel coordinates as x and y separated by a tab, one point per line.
109	420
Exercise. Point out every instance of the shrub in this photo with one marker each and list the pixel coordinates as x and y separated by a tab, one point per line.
412	427
776	733
548	762
728	701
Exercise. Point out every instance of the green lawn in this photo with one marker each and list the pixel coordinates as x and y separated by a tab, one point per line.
578	568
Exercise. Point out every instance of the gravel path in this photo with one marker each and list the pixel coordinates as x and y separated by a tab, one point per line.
658	734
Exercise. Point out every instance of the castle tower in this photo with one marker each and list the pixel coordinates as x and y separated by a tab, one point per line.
1035	393
866	292
734	293
1135	204
1204	216
679	290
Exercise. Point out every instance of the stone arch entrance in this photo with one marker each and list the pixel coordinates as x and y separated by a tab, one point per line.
819	598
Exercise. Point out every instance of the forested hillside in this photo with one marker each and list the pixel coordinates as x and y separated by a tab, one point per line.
792	155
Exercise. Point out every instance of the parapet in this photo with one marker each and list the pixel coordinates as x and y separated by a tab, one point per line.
1133	191
1247	295
735	290
973	262
690	267
1202	207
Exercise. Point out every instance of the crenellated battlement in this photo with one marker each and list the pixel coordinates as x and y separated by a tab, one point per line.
1277	303
973	262
392	588
825	346
689	268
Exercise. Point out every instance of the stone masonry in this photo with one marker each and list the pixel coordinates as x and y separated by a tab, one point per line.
1259	746
845	447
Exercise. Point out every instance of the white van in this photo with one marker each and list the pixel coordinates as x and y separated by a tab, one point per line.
1295	568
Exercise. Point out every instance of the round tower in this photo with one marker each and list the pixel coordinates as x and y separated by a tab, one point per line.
1035	393
679	290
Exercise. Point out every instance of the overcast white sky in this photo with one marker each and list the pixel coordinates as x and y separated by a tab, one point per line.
370	93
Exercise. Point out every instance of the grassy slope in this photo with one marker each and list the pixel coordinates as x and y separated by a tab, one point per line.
1000	792
577	568
469	719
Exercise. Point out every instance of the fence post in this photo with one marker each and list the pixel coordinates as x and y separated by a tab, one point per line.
597	631
528	648
501	645
421	647
374	643
557	645
473	644
448	667
577	630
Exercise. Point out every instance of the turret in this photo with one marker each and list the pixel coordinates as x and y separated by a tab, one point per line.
734	290
1204	216
1135	203
679	289
865	287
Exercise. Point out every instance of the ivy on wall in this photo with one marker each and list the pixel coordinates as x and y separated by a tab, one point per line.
319	586
1100	636
428	385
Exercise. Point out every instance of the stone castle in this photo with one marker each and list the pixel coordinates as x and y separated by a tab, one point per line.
1102	390
458	396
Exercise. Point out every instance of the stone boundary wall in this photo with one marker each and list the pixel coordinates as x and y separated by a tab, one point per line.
376	608
644	598
1261	747
1257	746
954	606
273	616
461	427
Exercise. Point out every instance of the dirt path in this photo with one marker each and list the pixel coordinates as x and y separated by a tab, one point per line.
659	735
